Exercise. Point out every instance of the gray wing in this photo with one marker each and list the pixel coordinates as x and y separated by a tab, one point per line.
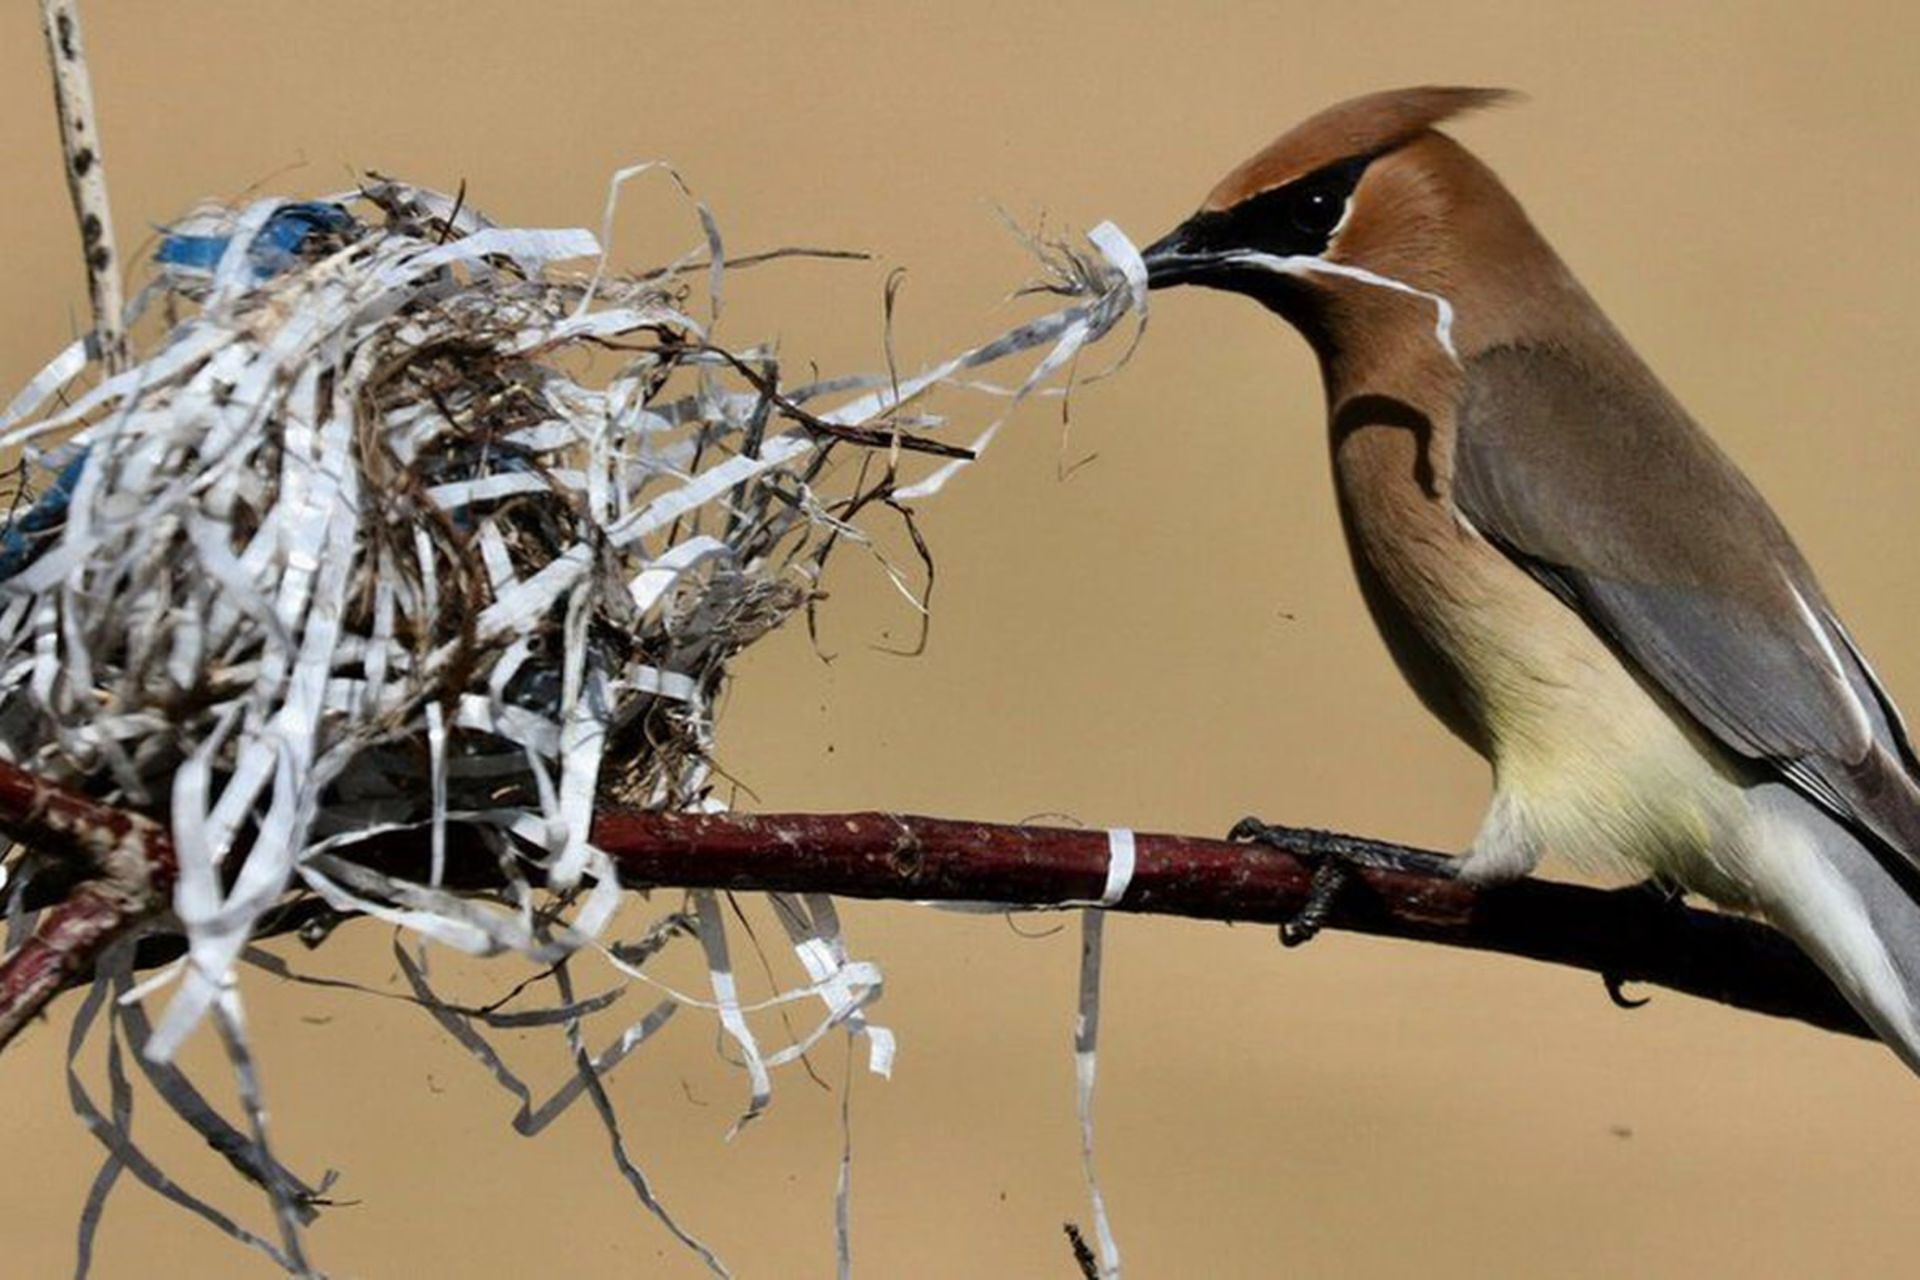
1597	482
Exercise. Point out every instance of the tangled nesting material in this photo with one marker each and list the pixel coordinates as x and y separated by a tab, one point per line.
356	547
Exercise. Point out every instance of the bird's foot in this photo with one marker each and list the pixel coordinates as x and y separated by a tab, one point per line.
1660	895
1333	860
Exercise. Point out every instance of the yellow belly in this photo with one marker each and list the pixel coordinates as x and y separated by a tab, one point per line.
1591	766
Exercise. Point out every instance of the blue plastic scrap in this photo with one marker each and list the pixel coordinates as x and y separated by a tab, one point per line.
26	536
275	248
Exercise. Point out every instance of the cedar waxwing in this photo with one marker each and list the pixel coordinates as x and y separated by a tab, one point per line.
1566	569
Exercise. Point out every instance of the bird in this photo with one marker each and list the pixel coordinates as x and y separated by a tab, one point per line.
1570	573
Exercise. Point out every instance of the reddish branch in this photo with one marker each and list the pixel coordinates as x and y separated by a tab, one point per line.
1625	935
121	868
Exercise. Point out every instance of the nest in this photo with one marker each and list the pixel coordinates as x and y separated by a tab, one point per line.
399	526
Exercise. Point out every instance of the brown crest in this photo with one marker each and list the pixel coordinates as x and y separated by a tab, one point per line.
1359	126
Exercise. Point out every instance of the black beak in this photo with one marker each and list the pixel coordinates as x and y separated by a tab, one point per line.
1179	257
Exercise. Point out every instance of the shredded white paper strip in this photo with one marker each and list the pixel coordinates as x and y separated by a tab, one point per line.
1086	1061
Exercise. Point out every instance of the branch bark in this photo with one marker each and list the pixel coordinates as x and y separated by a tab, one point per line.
1624	935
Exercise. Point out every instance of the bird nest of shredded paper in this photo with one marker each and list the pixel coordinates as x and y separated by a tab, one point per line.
399	524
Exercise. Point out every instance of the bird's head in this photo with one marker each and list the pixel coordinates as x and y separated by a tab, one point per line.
1363	193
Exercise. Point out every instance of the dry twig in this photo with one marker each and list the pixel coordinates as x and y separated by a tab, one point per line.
86	176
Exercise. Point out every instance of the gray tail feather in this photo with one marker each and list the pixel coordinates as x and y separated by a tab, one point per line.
1857	919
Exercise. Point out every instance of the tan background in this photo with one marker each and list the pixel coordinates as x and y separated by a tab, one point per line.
1167	639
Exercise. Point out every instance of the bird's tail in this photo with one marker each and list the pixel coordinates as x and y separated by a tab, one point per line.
1858	921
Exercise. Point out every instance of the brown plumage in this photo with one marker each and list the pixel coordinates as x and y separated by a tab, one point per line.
1358	126
1568	571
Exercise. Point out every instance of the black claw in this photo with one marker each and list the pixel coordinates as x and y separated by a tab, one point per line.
1614	982
1248	828
1658	896
1329	878
1309	842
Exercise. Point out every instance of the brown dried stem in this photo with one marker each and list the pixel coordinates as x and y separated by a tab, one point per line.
1624	935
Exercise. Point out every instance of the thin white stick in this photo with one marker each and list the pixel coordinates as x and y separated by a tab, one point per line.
86	176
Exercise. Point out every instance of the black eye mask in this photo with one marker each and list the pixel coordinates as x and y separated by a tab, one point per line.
1297	219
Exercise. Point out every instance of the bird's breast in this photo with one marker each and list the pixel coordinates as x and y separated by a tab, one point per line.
1448	604
1483	642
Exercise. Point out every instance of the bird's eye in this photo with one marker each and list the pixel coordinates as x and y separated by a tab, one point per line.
1318	210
